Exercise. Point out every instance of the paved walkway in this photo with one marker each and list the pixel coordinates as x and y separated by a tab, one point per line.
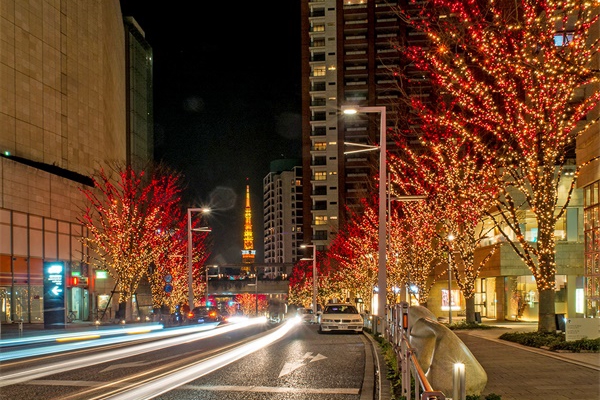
518	372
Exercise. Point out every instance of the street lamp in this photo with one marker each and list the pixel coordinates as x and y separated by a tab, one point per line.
256	291
206	296
450	239
314	267
381	274
189	234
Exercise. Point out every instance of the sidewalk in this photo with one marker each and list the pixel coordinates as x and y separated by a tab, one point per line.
517	372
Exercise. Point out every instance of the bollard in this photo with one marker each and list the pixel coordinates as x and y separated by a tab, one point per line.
459	390
20	322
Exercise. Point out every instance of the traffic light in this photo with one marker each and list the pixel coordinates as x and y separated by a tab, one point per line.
73	281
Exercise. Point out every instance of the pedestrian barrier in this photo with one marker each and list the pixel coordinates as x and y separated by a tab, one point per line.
396	332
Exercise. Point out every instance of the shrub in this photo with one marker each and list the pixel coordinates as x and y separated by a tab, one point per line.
552	341
491	396
468	325
578	346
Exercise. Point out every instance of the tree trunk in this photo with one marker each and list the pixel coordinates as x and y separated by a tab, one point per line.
470	309
547	315
121	312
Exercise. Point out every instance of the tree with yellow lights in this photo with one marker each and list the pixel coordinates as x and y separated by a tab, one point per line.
518	82
171	264
248	303
460	188
302	279
135	228
355	251
412	250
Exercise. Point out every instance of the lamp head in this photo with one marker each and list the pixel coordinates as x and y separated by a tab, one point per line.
349	110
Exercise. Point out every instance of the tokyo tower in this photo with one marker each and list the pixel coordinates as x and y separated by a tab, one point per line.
248	252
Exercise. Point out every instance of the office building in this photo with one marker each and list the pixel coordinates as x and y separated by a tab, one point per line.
63	115
140	106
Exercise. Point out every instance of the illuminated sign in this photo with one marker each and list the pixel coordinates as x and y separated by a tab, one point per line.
54	294
101	274
54	276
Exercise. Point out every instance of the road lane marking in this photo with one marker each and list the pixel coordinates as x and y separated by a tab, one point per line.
221	388
135	364
271	389
291	366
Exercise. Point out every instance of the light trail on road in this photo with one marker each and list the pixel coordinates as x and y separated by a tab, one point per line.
75	335
112	355
90	339
169	381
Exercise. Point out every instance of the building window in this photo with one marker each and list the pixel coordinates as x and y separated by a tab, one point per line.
319	70
320	219
320	235
563	38
320	145
320	176
321	205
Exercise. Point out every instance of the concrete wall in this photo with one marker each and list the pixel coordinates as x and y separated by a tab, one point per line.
62	97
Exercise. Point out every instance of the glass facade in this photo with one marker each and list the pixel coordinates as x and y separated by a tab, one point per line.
591	213
28	241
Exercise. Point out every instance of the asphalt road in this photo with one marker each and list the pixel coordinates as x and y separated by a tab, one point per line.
304	365
301	364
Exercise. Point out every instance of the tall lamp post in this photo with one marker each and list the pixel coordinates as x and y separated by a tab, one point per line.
314	268
382	273
206	296
189	234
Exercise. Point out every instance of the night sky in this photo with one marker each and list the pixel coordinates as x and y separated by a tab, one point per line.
226	102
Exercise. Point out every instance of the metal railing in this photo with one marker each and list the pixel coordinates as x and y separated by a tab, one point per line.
396	331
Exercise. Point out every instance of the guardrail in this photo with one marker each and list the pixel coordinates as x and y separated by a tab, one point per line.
395	332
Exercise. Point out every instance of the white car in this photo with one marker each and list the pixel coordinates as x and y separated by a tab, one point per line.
306	314
340	317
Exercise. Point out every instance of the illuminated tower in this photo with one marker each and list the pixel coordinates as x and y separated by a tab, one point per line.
248	252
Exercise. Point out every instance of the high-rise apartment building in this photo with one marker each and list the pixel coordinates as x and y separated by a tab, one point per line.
283	214
347	59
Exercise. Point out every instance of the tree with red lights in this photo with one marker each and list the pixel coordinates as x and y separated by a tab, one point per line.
134	225
248	303
301	282
461	188
412	253
172	264
355	251
518	81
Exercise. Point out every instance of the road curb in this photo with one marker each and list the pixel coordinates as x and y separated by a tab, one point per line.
376	372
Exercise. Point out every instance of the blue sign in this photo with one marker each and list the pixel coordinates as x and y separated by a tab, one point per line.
54	294
168	288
